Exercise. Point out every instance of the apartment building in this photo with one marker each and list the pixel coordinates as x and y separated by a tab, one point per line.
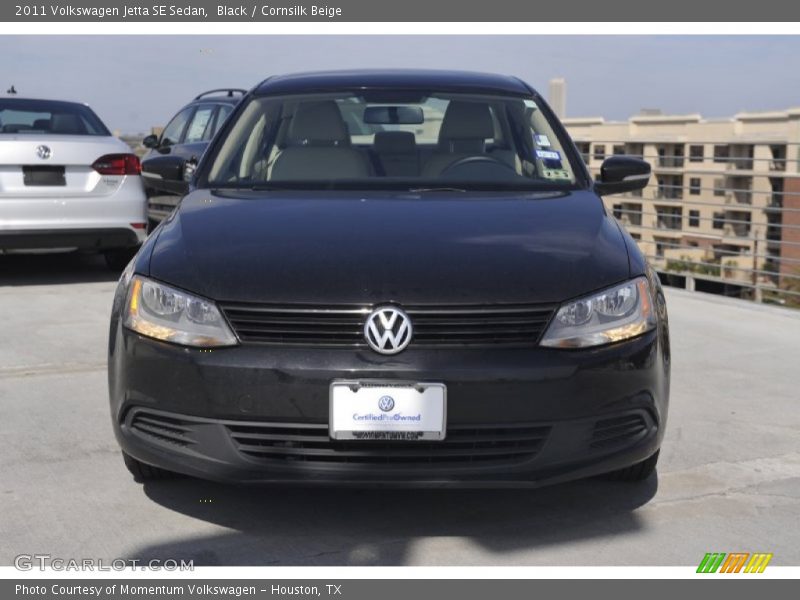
723	204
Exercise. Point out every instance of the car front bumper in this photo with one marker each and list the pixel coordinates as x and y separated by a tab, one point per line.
521	417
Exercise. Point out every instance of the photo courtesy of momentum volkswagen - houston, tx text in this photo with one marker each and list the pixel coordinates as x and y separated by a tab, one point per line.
341	300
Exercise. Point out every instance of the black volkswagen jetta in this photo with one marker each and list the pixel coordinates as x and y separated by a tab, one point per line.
392	277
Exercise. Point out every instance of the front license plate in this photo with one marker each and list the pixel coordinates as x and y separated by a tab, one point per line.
362	410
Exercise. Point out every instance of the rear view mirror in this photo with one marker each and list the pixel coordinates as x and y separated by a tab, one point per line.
620	174
393	115
151	141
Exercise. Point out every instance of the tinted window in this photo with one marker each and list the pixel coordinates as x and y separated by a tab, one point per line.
199	129
21	116
173	133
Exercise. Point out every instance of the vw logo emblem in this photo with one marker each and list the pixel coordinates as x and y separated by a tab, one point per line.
43	152
388	330
386	403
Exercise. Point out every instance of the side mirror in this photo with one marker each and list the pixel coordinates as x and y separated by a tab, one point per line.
151	141
620	174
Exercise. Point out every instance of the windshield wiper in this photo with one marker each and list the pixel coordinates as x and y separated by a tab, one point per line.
420	190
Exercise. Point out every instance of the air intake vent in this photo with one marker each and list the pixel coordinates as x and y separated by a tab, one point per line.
618	431
162	428
464	445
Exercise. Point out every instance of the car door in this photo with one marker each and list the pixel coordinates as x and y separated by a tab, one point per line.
183	139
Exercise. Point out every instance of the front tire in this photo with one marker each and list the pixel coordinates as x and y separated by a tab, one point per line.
638	472
118	258
143	472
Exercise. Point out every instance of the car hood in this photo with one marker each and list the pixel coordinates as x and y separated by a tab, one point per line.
354	247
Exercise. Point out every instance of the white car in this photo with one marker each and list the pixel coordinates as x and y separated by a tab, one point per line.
66	182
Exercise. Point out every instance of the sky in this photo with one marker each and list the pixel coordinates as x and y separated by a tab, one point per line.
136	82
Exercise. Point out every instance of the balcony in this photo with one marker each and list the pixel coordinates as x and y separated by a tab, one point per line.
736	230
739	197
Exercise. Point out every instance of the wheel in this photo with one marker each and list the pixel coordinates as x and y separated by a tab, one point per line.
143	472
118	258
638	472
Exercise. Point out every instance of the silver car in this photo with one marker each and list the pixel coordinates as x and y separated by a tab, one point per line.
66	182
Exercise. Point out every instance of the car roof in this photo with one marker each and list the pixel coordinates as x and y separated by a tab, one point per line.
440	80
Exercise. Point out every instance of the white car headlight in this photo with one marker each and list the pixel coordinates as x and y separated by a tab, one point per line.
618	313
164	313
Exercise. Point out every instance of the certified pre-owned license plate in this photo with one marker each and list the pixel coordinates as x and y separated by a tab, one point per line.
387	411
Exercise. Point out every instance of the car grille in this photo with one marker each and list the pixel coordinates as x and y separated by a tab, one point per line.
618	431
162	428
456	325
464	445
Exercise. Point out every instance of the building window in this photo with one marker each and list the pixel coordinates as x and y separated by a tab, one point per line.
719	187
599	152
721	154
617	211
619	150
696	153
694	186
583	148
636	150
719	220
694	218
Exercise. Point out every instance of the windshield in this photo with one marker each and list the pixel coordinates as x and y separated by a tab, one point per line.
20	116
385	139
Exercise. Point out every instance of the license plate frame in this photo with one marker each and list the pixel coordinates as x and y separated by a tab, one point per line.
408	399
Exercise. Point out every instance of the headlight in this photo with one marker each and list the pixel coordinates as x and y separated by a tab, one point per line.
164	313
616	314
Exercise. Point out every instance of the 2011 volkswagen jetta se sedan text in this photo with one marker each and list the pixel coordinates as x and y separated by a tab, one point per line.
394	277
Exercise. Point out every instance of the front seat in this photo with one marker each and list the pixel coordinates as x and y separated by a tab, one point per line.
319	147
465	128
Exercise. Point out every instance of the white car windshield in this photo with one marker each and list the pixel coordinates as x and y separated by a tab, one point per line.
385	139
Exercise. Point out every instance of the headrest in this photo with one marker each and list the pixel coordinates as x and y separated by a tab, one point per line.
466	121
318	122
43	124
66	123
395	142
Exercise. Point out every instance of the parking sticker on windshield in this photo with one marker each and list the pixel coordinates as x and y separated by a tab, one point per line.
556	174
542	140
548	154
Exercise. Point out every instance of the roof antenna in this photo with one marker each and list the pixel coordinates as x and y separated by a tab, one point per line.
11	91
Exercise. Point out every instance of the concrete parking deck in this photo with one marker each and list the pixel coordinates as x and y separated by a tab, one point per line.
728	480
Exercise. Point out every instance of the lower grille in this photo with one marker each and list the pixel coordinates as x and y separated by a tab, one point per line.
464	445
449	325
161	427
618	431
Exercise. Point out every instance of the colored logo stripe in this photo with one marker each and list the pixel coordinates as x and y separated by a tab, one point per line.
711	562
734	562
758	562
